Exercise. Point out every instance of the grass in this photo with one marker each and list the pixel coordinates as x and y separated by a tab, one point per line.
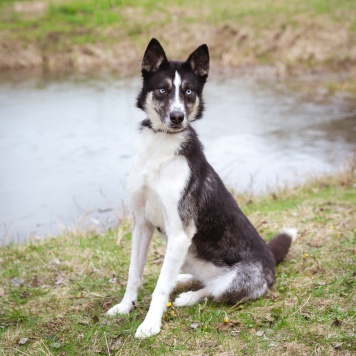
54	292
92	34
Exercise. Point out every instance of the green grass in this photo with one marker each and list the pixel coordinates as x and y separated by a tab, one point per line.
255	32
103	13
55	292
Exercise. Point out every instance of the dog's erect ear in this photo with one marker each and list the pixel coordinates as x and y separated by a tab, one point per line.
153	57
199	61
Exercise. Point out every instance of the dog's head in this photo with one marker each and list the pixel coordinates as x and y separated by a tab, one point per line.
171	94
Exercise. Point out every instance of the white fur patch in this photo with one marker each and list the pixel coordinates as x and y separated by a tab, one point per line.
153	114
290	231
184	278
194	111
177	104
158	177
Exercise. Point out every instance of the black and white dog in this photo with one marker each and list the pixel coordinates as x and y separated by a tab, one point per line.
174	189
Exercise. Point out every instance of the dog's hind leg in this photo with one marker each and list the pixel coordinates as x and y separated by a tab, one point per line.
190	298
141	238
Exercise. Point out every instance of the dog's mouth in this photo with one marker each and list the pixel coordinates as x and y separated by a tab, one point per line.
176	128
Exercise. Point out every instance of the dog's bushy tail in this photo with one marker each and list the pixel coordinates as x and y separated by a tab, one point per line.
280	244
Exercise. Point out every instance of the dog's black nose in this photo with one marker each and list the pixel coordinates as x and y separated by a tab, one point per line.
176	117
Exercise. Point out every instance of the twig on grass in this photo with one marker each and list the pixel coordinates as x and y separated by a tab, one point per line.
299	309
44	263
107	345
17	350
317	262
349	319
49	352
96	295
122	347
238	303
260	224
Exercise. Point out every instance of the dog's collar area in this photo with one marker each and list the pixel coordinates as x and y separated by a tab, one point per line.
147	123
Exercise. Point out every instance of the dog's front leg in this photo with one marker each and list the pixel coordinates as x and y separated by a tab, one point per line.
177	248
141	238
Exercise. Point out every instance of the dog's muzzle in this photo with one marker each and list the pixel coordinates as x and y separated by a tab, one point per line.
177	122
176	117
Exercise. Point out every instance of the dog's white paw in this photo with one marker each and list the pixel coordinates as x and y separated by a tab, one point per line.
119	309
187	298
148	328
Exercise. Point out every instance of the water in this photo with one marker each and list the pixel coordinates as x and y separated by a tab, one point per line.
66	145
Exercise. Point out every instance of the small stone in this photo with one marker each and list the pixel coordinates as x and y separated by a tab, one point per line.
338	345
56	345
16	282
23	341
84	321
116	345
59	281
55	262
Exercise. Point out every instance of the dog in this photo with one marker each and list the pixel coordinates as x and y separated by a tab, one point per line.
175	190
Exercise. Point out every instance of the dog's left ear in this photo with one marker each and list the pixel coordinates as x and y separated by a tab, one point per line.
199	61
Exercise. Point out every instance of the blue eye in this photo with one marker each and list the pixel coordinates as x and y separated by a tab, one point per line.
162	90
188	91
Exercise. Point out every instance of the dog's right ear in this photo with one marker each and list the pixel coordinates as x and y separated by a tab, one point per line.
153	58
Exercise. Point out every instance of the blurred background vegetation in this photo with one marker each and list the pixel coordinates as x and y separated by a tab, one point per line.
291	36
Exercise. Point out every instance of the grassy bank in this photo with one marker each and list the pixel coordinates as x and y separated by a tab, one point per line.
54	292
289	35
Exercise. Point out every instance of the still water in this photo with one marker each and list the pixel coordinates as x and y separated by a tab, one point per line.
66	144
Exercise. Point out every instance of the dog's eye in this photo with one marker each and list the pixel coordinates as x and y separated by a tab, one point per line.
161	92
188	91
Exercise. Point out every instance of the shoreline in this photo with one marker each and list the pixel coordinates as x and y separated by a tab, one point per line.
288	39
345	174
340	77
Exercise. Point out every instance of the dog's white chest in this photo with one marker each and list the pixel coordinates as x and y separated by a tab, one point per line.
158	178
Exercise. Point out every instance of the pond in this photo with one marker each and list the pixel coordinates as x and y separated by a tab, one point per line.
66	144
